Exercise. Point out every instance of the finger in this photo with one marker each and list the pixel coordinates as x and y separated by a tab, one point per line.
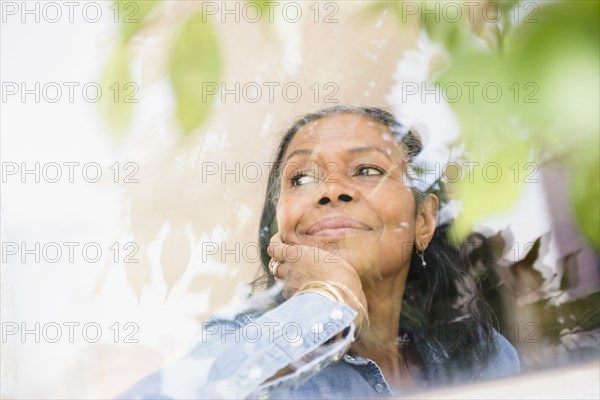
274	243
278	250
290	253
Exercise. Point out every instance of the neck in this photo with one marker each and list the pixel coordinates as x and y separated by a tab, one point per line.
378	340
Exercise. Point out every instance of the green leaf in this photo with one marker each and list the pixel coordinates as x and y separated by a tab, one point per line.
507	7
547	75
549	93
195	62
118	91
561	54
493	184
132	15
585	191
450	33
263	6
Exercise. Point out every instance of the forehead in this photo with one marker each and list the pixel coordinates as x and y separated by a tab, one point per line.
343	132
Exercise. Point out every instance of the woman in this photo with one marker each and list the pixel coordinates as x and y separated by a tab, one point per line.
366	297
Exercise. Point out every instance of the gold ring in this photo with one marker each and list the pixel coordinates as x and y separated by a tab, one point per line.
274	265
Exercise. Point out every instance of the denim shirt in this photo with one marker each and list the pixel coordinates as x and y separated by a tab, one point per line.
236	352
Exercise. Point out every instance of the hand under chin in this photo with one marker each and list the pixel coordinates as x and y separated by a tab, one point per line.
360	252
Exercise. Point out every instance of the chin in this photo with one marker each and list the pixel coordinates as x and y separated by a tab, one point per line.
340	245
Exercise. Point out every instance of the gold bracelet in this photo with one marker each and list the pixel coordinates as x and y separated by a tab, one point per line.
318	287
353	297
331	285
328	289
317	290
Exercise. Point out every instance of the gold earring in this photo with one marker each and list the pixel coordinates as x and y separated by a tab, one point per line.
422	255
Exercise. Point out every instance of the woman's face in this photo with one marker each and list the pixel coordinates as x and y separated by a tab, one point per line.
344	189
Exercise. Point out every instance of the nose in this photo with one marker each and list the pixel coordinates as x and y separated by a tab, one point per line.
334	193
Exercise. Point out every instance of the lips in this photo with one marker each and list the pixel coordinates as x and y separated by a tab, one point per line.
336	226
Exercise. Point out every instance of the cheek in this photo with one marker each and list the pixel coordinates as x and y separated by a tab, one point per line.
398	220
400	235
397	208
403	228
281	216
288	214
396	243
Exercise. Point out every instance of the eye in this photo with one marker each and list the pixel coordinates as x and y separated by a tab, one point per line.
302	178
368	170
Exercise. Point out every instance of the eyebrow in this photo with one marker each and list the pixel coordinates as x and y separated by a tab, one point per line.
354	150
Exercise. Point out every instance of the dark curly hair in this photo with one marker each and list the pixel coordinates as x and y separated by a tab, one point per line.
444	320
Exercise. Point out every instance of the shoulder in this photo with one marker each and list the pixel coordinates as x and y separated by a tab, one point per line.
505	361
489	356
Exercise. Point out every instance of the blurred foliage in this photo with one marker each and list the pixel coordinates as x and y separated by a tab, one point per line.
551	66
527	74
523	78
133	15
195	61
532	311
585	191
546	65
117	108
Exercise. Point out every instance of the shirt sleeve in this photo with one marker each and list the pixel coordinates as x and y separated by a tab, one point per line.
232	358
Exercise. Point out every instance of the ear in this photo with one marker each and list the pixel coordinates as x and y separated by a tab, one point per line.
426	221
